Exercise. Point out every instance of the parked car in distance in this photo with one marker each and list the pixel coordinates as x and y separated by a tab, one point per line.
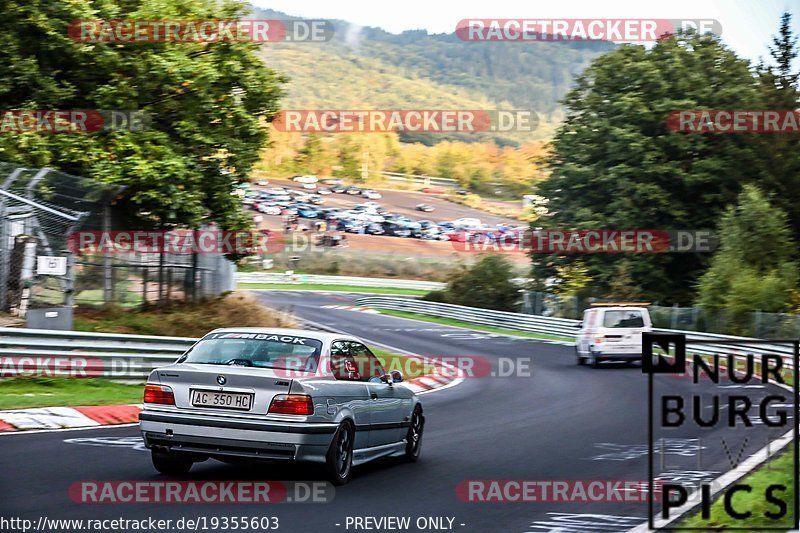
396	229
323	190
427	208
339	189
373	228
306	212
270	209
372	195
353	190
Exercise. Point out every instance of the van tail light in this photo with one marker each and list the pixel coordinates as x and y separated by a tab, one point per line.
292	404
159	394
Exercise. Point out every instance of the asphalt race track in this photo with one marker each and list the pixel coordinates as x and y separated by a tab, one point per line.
563	422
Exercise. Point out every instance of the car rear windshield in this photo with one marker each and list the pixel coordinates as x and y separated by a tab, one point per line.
623	319
259	350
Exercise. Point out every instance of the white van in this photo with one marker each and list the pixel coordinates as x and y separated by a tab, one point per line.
612	333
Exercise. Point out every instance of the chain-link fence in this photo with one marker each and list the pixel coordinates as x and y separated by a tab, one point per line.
725	321
42	211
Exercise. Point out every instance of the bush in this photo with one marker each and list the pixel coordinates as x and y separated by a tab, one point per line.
486	284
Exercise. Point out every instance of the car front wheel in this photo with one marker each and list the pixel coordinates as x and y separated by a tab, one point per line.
339	459
414	436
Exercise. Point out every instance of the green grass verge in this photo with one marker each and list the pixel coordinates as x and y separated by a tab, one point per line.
775	472
21	393
470	325
331	288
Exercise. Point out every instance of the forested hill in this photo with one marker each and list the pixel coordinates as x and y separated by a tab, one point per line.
371	67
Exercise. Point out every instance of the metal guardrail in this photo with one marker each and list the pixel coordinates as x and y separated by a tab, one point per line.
564	327
299	279
85	354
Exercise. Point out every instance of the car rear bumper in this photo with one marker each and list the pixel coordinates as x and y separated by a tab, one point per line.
216	436
605	356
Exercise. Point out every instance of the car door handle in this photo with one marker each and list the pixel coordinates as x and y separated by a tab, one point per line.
373	395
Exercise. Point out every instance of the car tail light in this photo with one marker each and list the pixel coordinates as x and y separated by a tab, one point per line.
160	394
292	404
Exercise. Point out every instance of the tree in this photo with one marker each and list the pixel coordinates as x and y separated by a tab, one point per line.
208	105
754	267
615	164
780	91
487	284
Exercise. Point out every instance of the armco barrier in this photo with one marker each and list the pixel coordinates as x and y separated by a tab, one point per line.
25	351
135	356
299	279
563	327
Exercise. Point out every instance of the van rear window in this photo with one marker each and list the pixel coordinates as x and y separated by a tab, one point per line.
623	319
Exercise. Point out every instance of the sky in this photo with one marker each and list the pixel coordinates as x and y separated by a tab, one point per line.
747	25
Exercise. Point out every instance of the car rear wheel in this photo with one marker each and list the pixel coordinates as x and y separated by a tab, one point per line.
339	459
594	360
171	464
414	436
578	359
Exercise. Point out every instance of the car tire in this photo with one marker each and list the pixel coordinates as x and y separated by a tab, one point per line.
414	436
580	360
171	464
339	459
593	360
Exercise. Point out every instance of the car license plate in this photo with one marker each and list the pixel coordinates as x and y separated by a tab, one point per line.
223	400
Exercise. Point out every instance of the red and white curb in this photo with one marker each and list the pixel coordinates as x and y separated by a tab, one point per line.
68	417
442	376
353	308
53	418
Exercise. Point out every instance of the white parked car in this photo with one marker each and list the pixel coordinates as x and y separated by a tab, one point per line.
309	185
612	333
372	195
269	209
468	222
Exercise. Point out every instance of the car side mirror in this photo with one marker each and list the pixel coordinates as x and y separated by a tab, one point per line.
397	376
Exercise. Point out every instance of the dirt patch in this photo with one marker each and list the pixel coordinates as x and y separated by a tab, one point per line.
186	320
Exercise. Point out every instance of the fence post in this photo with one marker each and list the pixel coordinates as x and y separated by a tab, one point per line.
108	281
757	325
144	288
673	323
